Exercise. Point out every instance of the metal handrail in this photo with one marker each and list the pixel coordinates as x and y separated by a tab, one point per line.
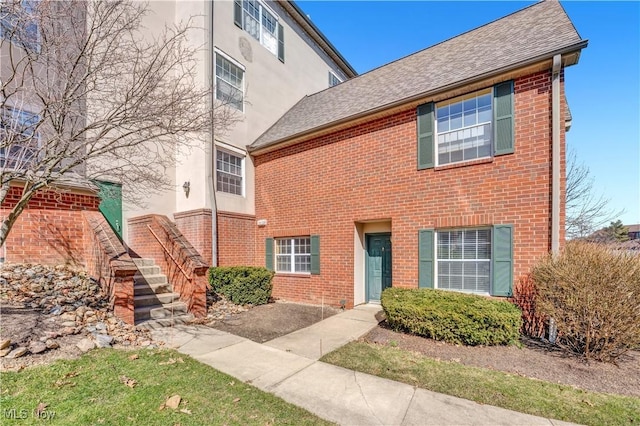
169	253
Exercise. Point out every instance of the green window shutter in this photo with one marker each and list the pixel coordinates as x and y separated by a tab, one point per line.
425	258
237	13
268	250
315	255
280	42
425	124
502	259
503	118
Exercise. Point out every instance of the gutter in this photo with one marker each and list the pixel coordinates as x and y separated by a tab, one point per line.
555	153
573	48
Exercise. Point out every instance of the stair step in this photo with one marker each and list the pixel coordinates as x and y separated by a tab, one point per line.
150	279
154	299
143	289
143	262
149	270
160	311
154	324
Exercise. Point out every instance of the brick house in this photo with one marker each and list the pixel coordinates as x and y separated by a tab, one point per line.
444	169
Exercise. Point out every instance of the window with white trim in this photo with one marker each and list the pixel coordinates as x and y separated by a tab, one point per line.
293	255
229	82
464	260
333	79
229	172
261	24
464	128
19	139
18	23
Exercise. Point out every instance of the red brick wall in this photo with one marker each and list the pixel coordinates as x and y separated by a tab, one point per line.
50	230
178	260
195	225
236	239
369	172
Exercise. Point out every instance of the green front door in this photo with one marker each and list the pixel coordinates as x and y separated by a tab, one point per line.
378	265
111	204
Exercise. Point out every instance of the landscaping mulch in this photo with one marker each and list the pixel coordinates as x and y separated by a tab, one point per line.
266	322
534	359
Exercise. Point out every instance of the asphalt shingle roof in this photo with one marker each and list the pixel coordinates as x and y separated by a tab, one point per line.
533	32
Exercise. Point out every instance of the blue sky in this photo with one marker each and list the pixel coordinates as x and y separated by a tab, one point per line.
603	90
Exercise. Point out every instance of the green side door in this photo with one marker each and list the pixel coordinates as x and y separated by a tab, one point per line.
111	204
378	265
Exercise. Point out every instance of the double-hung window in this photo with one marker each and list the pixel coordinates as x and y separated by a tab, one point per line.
229	82
261	23
19	23
473	126
229	172
464	260
464	128
19	140
293	255
473	260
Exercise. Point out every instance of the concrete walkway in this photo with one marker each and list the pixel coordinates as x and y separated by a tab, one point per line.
289	368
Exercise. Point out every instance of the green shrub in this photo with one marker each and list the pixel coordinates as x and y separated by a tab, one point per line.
242	284
593	294
453	317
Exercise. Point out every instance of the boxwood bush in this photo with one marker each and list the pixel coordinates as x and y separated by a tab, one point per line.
453	317
242	284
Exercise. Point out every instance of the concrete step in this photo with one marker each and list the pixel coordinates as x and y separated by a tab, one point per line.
154	299
142	289
150	279
154	324
149	270
143	262
160	311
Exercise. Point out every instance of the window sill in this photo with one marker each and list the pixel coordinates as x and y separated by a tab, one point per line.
293	275
465	164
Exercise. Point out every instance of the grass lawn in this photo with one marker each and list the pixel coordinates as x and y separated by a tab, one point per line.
109	387
488	386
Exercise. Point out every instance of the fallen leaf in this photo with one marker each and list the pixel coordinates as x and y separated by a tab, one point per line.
589	403
180	360
185	411
232	383
134	357
128	381
71	374
40	409
172	402
169	362
61	383
236	400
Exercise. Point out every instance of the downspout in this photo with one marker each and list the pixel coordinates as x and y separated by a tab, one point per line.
555	153
209	164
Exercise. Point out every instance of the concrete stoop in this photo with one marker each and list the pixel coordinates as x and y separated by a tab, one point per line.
156	305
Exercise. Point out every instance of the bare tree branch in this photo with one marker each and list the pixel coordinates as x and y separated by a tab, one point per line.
585	211
87	94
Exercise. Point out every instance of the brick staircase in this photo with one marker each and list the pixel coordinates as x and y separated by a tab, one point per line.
156	305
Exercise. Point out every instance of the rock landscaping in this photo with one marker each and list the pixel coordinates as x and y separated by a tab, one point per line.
56	309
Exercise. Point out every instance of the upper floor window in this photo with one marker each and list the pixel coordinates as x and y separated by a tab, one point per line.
19	24
229	174
19	140
333	79
476	125
229	82
262	24
464	128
